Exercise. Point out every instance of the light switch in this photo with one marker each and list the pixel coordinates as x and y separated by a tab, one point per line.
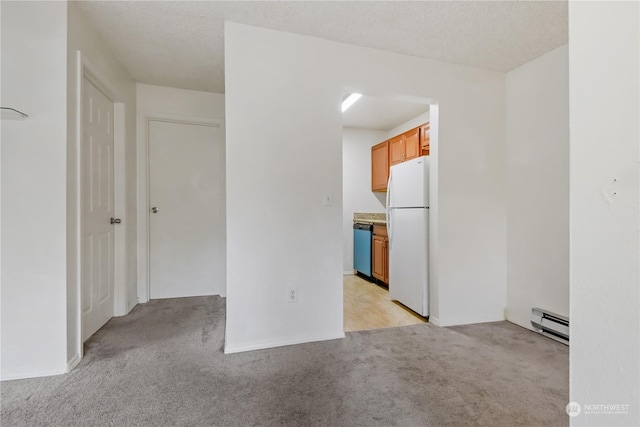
327	200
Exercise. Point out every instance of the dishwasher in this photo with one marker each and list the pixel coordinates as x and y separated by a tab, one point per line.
362	237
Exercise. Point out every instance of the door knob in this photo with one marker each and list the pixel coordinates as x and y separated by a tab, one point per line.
154	209
115	221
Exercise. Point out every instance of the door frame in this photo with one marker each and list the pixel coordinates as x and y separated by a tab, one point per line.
145	118
87	69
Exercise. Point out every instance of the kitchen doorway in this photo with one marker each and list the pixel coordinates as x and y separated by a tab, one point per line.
369	125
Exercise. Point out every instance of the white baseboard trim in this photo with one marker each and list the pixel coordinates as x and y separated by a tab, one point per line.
132	306
25	375
523	321
279	343
434	321
348	273
526	326
73	362
470	321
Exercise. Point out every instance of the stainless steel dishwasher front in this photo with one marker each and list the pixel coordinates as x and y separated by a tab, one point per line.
362	236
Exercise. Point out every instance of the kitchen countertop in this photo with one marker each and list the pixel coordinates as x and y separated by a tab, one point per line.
370	221
370	218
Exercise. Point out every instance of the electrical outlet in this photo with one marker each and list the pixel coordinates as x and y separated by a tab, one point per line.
293	295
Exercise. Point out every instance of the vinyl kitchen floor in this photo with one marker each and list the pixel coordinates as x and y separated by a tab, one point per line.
367	306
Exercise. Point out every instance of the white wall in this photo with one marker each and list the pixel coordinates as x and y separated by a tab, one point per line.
183	103
1	134
284	151
34	176
408	125
119	86
165	103
604	89
356	184
538	187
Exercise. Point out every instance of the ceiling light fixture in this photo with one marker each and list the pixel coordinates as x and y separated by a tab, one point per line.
351	99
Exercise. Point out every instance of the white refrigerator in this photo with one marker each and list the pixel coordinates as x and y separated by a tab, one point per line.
408	230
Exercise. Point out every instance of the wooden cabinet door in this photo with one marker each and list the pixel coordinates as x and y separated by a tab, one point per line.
412	144
396	150
378	257
424	139
379	166
380	253
385	261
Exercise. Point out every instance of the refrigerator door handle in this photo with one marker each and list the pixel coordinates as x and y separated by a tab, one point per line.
389	222
389	226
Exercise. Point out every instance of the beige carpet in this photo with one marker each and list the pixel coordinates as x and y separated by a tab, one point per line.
163	365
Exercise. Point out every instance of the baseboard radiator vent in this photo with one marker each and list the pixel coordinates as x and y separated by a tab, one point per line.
550	324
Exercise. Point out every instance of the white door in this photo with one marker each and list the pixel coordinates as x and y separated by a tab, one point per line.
186	196
97	250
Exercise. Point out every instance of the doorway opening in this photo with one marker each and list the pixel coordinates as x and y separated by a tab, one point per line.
378	133
186	214
97	204
181	215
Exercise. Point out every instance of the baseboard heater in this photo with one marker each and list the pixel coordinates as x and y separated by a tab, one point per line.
550	324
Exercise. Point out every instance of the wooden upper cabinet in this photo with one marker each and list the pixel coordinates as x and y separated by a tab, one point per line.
379	166
396	150
406	146
412	144
425	143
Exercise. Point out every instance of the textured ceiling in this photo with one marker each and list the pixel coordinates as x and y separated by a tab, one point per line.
180	44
